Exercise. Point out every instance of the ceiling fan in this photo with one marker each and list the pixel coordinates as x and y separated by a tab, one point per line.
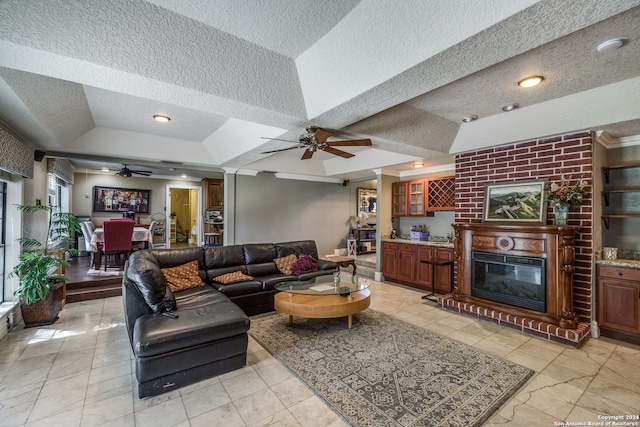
125	172
316	139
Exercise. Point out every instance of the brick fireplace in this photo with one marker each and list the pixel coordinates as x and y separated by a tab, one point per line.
568	156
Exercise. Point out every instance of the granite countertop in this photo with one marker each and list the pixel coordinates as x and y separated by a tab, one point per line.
420	242
629	263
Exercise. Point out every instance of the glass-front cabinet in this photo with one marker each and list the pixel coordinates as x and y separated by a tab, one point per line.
399	199
416	198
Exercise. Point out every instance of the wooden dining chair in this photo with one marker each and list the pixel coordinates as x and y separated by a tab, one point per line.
117	242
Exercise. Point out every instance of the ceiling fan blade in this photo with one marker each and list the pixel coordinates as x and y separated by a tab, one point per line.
321	135
338	152
350	143
141	172
282	149
307	154
276	139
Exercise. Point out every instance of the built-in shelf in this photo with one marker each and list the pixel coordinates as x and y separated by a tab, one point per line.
606	169
607	193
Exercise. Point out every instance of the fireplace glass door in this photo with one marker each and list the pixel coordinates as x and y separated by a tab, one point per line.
514	280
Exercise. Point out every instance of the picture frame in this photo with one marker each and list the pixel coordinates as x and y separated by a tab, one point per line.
515	202
113	199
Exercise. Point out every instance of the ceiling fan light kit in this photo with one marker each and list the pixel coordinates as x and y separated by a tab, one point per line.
315	139
125	172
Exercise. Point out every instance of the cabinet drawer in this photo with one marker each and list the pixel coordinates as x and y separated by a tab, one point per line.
621	273
390	246
405	247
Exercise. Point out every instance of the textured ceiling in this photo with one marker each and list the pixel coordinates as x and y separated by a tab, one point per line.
82	79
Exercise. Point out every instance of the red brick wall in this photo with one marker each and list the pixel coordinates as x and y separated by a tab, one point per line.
552	158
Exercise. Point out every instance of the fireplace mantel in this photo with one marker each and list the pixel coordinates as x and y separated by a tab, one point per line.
554	243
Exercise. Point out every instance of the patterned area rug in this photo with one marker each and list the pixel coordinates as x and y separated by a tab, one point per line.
385	372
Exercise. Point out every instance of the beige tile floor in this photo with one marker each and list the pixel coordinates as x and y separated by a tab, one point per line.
78	372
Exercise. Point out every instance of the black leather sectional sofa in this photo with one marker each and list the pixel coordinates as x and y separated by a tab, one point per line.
209	335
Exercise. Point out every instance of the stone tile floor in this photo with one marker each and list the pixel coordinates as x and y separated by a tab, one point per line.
79	372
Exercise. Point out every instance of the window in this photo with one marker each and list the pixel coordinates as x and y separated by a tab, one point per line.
3	220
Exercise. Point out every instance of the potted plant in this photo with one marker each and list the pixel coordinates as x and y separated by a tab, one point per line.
41	267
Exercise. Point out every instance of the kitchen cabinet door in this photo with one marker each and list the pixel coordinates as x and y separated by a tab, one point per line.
416	198
399	199
424	270
442	274
389	260
214	194
406	262
618	302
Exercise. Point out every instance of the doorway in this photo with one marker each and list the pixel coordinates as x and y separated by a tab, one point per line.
183	219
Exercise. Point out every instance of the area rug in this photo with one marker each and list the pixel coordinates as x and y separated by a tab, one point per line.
102	273
386	372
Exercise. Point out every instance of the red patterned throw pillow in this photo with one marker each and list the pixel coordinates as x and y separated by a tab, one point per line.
183	277
236	276
284	264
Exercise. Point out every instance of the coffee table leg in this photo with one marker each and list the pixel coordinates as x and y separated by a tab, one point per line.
290	320
350	317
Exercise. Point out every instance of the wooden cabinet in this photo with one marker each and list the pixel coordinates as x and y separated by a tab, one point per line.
213	193
419	197
440	194
406	262
619	303
390	260
399	199
411	264
416	198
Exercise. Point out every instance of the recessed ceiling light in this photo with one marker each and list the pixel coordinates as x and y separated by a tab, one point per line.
470	118
509	107
530	81
184	175
161	119
610	45
418	165
104	169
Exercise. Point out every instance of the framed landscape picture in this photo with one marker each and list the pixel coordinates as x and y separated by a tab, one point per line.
518	202
110	199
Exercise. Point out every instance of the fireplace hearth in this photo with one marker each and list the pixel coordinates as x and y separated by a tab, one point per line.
523	271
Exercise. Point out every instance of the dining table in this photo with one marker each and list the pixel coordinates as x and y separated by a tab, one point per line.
140	235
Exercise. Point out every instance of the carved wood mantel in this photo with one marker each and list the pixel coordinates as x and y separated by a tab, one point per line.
554	243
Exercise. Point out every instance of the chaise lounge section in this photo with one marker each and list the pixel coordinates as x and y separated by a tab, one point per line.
215	289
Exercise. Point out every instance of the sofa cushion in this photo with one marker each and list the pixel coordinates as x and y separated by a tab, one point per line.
183	277
239	288
259	258
284	264
216	320
168	258
304	264
224	257
297	247
236	276
145	273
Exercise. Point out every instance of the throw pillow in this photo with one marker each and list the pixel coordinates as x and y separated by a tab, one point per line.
284	264
305	264
236	276
183	277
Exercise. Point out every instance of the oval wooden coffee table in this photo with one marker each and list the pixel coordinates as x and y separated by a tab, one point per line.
319	300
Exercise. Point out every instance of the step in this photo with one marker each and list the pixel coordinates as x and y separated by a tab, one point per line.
95	289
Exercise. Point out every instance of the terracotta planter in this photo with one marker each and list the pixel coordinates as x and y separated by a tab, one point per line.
44	312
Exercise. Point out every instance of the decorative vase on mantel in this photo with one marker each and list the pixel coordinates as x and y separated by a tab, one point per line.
560	214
